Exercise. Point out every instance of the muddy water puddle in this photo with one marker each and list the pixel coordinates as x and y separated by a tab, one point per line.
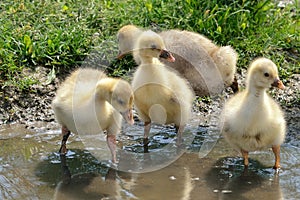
30	167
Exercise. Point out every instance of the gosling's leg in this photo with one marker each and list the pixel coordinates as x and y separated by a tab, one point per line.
276	151
245	156
111	143
65	133
179	131
147	127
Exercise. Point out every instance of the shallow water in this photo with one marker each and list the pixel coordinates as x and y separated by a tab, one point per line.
30	167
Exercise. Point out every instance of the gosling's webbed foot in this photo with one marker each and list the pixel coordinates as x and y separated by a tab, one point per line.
277	169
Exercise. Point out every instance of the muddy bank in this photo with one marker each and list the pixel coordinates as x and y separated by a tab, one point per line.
31	105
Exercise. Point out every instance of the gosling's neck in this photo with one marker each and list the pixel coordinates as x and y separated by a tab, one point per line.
256	92
146	60
149	60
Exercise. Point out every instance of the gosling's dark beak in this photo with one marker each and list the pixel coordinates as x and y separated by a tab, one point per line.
128	116
278	83
167	55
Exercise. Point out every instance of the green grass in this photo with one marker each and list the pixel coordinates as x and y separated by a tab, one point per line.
60	35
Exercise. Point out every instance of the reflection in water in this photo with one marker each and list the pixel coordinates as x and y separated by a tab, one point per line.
91	185
187	178
188	185
230	180
123	185
66	174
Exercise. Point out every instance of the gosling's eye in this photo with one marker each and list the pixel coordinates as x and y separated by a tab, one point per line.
121	102
266	74
153	46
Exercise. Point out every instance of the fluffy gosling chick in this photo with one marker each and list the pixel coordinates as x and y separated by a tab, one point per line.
194	54
89	102
160	95
252	120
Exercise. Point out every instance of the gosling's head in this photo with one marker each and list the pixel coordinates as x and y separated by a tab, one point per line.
126	36
122	99
151	45
263	73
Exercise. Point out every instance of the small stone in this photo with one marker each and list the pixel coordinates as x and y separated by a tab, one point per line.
172	178
226	191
